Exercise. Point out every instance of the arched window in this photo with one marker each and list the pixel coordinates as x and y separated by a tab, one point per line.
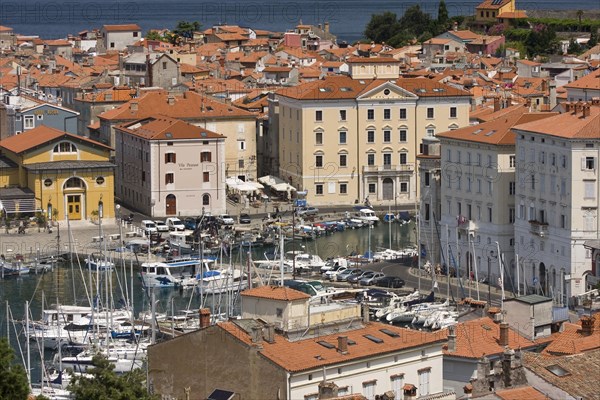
206	199
74	183
65	147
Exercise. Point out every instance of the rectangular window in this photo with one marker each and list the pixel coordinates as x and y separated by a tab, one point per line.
343	162
29	122
318	115
387	136
403	158
397	382
370	159
553	159
588	163
387	159
511	215
427	177
319	189
424	382
372	188
319	161
387	113
542	157
241	163
403	135
170	158
489	214
403	113
430	112
449	155
430	132
206	177
343	188
143	177
427	211
512	187
318	137
403	187
469	212
342	115
205	156
371	114
169	178
513	161
343	137
469	182
563	221
370	136
452	112
164	65
242	145
589	190
369	390
478	160
563	161
490	185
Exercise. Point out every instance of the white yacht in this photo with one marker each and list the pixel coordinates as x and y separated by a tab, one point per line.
183	241
367	215
183	272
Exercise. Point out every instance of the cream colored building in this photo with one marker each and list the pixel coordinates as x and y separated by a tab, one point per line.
166	167
557	200
345	138
478	195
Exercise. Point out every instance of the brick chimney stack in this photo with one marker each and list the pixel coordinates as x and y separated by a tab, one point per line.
496	104
269	333
452	338
343	344
586	110
587	325
503	334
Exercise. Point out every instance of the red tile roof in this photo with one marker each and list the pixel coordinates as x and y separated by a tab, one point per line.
521	393
276	293
122	28
480	337
161	127
39	136
567	125
572	340
493	4
590	81
308	354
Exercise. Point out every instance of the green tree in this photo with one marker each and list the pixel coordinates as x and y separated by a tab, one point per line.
186	29
574	47
105	384
593	40
154	35
442	17
382	27
415	21
13	378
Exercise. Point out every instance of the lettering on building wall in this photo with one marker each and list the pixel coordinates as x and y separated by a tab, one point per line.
187	166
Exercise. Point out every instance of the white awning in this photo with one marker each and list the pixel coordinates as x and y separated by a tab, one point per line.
238	184
276	183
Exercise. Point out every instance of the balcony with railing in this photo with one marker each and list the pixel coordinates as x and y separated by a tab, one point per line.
538	228
389	168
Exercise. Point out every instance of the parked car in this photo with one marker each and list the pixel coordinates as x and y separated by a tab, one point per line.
149	227
175	224
161	226
190	223
225	219
371	279
245	219
343	277
307	211
357	277
390	282
334	272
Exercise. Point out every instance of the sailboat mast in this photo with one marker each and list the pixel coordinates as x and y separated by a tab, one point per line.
27	343
281	251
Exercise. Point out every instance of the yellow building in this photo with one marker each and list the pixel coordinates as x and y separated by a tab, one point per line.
498	11
57	173
345	138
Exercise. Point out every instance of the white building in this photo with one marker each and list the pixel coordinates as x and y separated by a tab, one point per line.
118	37
167	167
478	188
557	200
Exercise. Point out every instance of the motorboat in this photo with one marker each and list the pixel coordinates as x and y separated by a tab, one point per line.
367	215
60	324
222	280
181	272
98	262
182	241
303	261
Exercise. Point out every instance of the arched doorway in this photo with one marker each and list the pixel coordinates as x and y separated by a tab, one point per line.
171	207
74	192
543	279
388	189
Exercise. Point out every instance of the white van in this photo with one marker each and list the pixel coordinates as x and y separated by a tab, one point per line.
175	224
149	227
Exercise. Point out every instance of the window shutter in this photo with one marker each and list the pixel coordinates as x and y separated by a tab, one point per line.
582	163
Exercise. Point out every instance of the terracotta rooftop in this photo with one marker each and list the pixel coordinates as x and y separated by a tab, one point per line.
122	28
528	62
567	125
190	106
376	60
164	128
572	340
40	136
493	4
590	81
308	354
580	379
517	14
276	293
521	393
480	337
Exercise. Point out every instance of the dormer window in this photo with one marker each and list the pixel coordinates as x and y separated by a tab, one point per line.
65	147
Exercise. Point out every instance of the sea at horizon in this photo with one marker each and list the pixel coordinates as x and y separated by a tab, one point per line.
57	19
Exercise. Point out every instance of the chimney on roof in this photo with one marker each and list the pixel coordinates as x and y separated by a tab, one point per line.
544	85
133	106
503	334
342	344
507	364
496	104
568	106
587	325
578	108
586	110
204	317
326	26
256	334
269	333
327	390
452	338
170	100
595	101
365	313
